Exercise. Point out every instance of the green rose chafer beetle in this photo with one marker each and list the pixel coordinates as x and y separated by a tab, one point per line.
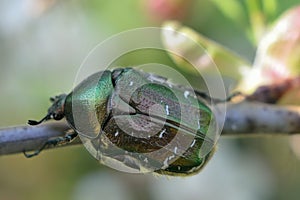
137	122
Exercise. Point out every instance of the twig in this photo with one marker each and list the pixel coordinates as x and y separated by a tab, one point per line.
242	119
255	118
29	138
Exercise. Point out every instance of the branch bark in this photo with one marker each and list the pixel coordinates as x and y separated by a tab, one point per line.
29	138
255	118
241	119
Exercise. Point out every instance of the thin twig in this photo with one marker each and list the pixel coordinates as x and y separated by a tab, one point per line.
242	119
255	118
29	138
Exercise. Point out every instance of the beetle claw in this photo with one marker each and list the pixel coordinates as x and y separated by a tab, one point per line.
34	122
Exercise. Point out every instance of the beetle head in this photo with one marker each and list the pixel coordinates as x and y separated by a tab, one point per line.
56	111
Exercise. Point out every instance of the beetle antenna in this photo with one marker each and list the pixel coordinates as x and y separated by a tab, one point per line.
34	123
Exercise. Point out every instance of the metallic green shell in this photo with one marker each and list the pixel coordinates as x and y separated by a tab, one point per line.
86	104
142	121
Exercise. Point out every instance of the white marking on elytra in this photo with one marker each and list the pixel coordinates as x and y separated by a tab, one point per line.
131	83
116	133
167	109
199	126
146	160
193	143
171	157
175	150
162	133
166	164
186	94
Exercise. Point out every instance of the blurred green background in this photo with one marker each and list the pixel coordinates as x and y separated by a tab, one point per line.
42	45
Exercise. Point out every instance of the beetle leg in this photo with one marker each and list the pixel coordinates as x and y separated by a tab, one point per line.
216	100
69	137
233	95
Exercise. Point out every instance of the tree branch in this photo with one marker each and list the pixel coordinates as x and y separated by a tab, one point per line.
242	119
256	118
30	138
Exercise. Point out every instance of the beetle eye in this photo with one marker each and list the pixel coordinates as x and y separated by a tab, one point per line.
57	116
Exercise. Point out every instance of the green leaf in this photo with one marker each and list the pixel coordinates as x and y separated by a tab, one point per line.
257	19
233	9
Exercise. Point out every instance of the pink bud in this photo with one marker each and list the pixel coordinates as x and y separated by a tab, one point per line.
278	54
161	10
